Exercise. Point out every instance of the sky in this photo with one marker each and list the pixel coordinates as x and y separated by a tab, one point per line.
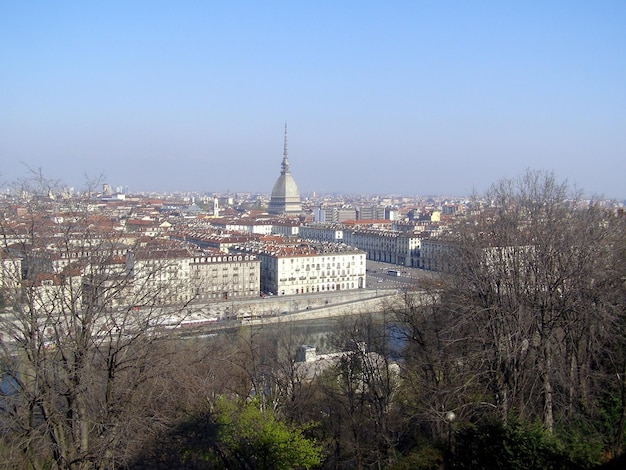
399	97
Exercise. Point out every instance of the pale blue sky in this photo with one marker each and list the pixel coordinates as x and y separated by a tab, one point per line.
405	97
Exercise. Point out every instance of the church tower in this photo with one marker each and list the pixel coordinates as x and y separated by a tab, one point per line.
285	196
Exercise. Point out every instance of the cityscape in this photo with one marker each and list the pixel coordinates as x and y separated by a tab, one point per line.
327	235
261	245
94	278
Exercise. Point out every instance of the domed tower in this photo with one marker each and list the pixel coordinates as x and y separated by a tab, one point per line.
285	196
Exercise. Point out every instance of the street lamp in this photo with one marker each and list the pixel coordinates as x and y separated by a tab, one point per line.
450	416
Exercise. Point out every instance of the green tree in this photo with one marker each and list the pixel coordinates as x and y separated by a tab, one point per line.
233	435
249	437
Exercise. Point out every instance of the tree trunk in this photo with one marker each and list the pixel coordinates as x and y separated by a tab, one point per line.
546	378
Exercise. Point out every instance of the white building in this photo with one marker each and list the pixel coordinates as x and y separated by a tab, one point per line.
302	267
245	225
10	273
390	246
322	232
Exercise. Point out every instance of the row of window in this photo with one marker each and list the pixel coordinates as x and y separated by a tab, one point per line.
324	288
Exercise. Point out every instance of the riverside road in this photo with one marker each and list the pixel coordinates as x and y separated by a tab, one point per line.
227	314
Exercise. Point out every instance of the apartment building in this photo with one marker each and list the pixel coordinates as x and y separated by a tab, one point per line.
244	225
389	246
210	239
323	232
433	254
334	214
299	267
10	273
160	274
224	276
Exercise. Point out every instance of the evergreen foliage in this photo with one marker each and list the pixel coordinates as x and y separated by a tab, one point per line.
498	447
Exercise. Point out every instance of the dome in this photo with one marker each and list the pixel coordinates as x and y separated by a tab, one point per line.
285	196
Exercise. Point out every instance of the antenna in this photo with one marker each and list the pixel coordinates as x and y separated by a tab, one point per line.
285	163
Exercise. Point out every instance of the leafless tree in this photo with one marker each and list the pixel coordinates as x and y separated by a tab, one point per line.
441	367
359	393
524	280
82	329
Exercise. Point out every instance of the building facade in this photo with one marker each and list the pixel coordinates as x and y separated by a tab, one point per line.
301	267
221	276
389	246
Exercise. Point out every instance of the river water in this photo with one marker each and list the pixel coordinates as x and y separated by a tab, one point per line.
327	335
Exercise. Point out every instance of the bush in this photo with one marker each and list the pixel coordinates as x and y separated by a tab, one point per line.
233	436
494	446
424	458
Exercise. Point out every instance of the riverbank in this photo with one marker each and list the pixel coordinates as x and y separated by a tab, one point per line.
375	303
275	309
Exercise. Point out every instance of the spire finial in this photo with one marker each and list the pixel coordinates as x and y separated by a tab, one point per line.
285	151
285	163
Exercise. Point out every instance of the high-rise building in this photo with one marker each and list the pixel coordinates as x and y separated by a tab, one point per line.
285	196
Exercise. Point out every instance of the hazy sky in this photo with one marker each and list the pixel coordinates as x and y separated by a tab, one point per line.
404	97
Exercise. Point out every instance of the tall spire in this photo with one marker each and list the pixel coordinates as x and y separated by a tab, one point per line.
285	164
285	196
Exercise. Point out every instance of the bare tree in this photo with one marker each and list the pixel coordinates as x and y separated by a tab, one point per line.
359	393
81	328
524	278
442	363
291	391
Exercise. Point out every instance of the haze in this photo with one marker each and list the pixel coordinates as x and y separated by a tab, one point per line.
405	97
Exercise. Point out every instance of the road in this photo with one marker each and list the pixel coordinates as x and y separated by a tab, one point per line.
377	277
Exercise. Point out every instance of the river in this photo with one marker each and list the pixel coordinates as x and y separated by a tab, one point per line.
324	334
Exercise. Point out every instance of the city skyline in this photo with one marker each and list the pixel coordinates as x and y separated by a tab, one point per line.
407	98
